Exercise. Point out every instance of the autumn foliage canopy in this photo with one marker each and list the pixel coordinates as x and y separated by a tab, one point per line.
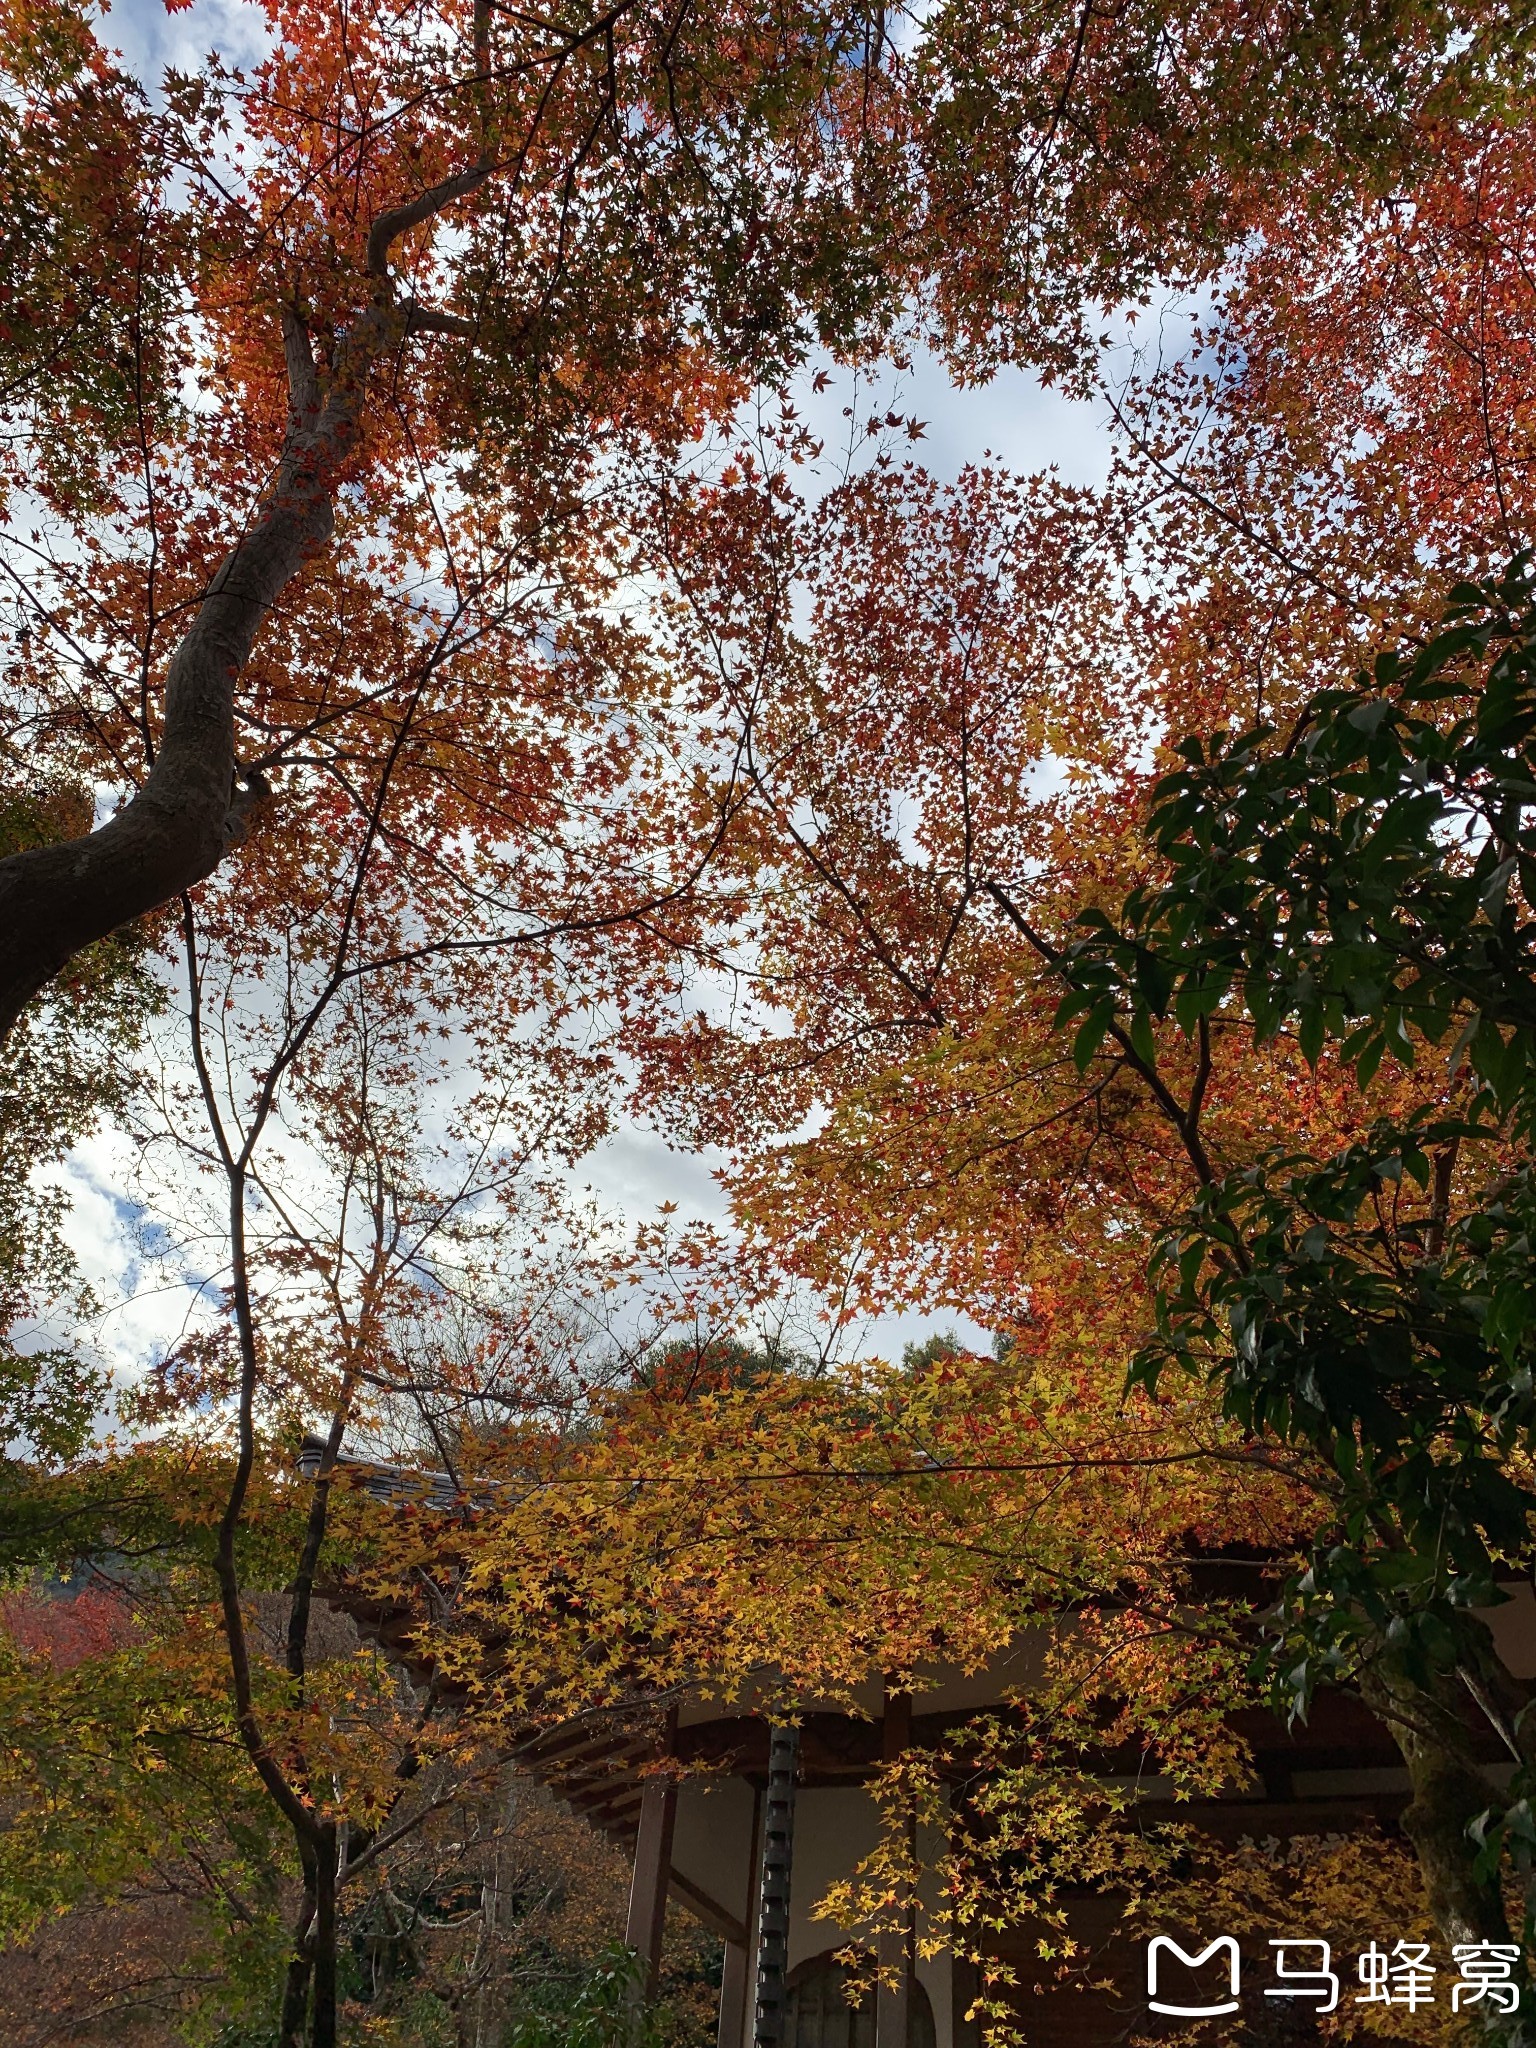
486	665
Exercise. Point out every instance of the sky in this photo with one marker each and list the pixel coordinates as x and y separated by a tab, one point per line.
1013	421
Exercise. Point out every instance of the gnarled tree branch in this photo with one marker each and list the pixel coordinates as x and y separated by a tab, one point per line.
195	802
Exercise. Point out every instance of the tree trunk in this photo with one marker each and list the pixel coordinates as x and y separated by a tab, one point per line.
1449	1791
290	2030
56	900
490	1921
322	2033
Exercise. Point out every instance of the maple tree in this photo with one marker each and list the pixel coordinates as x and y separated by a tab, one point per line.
1372	363
949	732
451	264
360	1194
363	520
777	1535
128	1842
397	301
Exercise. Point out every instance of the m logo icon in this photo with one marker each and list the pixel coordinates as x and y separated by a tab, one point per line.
1159	1942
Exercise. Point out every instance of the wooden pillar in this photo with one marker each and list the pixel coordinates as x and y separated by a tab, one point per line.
893	1997
965	1974
733	1995
736	1977
965	1989
772	1961
647	1921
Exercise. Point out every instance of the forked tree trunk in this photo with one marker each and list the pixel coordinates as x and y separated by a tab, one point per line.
1449	1791
56	900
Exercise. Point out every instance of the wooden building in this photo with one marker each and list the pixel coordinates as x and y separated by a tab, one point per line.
746	1824
710	1833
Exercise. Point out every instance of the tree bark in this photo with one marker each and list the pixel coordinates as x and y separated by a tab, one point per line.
290	2030
190	809
322	2032
1449	1791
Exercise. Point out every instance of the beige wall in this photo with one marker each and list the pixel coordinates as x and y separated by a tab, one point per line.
834	1829
712	1843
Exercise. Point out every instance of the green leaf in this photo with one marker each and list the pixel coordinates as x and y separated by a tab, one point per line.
1310	1033
1091	1034
1142	1042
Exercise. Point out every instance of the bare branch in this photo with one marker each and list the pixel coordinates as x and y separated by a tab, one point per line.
421	319
399	220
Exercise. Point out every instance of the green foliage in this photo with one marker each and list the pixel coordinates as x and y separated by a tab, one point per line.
601	2009
917	1358
108	1764
49	1398
1365	882
682	1370
66	1065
